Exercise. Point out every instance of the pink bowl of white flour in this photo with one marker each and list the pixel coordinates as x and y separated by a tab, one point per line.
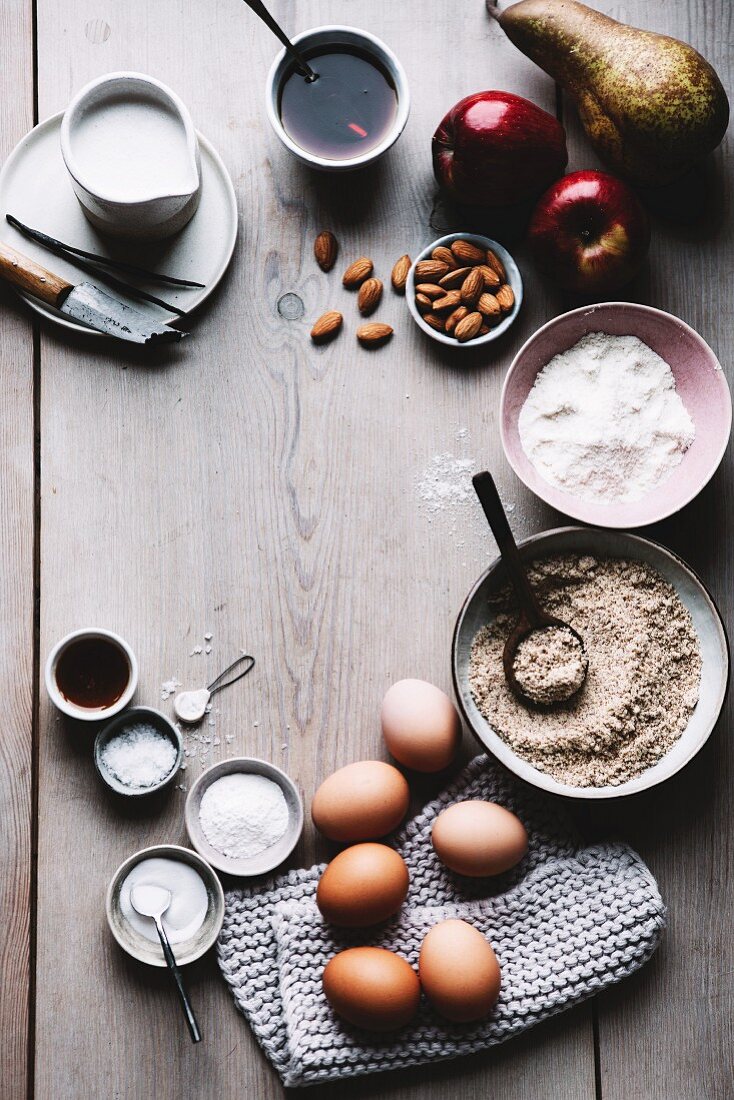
615	454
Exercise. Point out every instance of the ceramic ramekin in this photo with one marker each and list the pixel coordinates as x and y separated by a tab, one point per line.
154	216
339	36
271	857
149	951
131	717
514	280
85	714
699	380
477	613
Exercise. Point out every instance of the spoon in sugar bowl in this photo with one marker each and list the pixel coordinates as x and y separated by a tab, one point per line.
152	901
190	706
544	658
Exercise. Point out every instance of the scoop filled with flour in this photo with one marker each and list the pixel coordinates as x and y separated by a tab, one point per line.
604	421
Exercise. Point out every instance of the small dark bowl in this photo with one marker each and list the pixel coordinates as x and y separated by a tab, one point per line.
131	717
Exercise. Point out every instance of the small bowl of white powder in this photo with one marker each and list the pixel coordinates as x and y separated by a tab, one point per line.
138	752
616	414
244	816
194	917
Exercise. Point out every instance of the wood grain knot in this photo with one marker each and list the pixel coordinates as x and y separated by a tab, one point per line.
291	307
97	31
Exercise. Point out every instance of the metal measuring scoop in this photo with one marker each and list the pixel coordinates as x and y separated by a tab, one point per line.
153	901
531	615
190	706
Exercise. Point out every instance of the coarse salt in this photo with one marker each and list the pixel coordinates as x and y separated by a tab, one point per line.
139	756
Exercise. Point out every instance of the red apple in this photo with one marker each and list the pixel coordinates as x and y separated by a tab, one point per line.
589	233
497	149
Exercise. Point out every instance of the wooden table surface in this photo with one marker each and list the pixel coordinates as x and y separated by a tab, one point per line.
250	486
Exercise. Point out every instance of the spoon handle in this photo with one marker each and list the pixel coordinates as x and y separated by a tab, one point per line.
489	498
260	10
178	978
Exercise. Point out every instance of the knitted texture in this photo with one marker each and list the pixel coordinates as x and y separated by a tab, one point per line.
564	924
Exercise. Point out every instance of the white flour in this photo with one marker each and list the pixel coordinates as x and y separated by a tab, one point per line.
603	420
243	814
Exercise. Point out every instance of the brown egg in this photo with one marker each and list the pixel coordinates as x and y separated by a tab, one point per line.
420	725
372	987
363	885
459	971
362	801
479	838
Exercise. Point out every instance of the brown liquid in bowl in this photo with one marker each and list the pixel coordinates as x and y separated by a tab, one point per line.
92	673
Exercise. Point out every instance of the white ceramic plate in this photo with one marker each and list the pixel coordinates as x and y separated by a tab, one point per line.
35	187
614	544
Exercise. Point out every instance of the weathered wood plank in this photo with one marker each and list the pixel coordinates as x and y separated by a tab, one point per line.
668	1032
267	492
16	593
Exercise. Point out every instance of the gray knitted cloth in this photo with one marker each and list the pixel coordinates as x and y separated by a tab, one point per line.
564	924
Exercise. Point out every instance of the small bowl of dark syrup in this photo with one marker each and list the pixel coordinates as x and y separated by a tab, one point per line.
91	674
352	113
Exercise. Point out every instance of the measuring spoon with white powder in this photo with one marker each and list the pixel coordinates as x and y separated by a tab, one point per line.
544	659
190	706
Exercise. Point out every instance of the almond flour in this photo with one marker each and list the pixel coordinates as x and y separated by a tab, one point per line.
642	682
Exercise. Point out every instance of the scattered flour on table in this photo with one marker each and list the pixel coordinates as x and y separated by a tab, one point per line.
604	421
242	814
447	501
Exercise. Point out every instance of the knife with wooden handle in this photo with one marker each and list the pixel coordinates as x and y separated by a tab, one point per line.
83	302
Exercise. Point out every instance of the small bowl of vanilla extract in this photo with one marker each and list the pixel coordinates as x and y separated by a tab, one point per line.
91	674
354	110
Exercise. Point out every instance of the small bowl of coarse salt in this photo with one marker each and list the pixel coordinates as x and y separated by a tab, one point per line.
138	752
244	816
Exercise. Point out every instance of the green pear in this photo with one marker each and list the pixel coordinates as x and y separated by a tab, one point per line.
651	105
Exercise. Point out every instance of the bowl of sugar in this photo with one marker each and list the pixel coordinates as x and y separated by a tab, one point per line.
244	816
617	414
194	917
138	752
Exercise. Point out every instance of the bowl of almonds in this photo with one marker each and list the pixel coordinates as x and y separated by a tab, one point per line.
464	290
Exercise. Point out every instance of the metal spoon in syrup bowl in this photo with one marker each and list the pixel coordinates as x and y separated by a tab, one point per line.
556	667
260	10
153	901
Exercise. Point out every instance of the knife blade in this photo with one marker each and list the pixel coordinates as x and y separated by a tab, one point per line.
85	302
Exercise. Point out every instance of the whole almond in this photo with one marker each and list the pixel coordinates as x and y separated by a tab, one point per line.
472	287
326	327
453	318
445	255
431	290
424	303
356	273
484	330
468	253
373	334
434	321
454	278
325	249
491	278
505	297
449	301
493	261
468	327
369	296
488	305
399	275
432	271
